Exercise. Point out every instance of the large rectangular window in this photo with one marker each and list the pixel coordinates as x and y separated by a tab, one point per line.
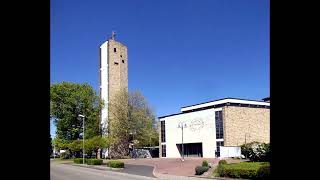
219	125
163	131
163	150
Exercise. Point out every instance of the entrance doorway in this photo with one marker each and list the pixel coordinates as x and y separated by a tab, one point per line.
190	149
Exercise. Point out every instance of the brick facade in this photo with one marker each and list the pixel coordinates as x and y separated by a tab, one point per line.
118	73
245	124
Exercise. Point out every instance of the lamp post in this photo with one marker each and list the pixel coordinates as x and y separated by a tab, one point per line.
82	116
54	150
182	125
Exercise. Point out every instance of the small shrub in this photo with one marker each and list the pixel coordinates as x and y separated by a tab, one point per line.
205	163
201	169
222	162
220	170
94	161
115	164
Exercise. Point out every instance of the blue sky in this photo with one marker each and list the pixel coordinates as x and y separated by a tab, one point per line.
180	52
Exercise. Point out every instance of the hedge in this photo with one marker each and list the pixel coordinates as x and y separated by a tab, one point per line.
240	173
94	161
246	170
115	164
201	169
88	161
79	160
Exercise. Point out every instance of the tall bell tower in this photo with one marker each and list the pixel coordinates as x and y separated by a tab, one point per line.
113	74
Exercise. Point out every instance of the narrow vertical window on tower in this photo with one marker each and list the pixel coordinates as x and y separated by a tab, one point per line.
219	125
114	49
163	149
122	61
163	131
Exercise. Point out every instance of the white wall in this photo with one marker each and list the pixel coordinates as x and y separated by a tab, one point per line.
200	129
104	83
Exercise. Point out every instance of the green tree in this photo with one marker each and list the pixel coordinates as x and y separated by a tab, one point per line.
131	114
142	120
61	143
118	125
76	147
67	101
95	143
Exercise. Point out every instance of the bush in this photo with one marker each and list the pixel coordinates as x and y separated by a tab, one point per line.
257	152
201	169
222	162
247	170
205	163
94	161
115	164
220	170
78	160
240	173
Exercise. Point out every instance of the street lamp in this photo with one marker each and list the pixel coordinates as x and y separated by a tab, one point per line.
54	150
182	125
82	116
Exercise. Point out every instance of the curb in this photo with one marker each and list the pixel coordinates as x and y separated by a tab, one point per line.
97	167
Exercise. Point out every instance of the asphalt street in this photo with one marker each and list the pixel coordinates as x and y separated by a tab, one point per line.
67	172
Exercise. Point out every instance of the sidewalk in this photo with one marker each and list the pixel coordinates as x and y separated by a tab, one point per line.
164	168
172	166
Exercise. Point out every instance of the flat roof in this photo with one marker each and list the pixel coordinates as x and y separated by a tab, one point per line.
169	115
186	109
224	100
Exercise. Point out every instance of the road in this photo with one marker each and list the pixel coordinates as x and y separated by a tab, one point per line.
67	172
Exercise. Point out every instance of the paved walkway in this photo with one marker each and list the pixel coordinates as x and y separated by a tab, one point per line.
171	166
163	168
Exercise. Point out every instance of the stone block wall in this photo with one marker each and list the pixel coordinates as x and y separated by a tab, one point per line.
245	124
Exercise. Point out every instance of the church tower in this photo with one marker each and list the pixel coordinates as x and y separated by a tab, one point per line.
113	74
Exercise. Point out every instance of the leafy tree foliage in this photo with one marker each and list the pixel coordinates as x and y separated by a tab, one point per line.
131	118
67	101
257	152
95	143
